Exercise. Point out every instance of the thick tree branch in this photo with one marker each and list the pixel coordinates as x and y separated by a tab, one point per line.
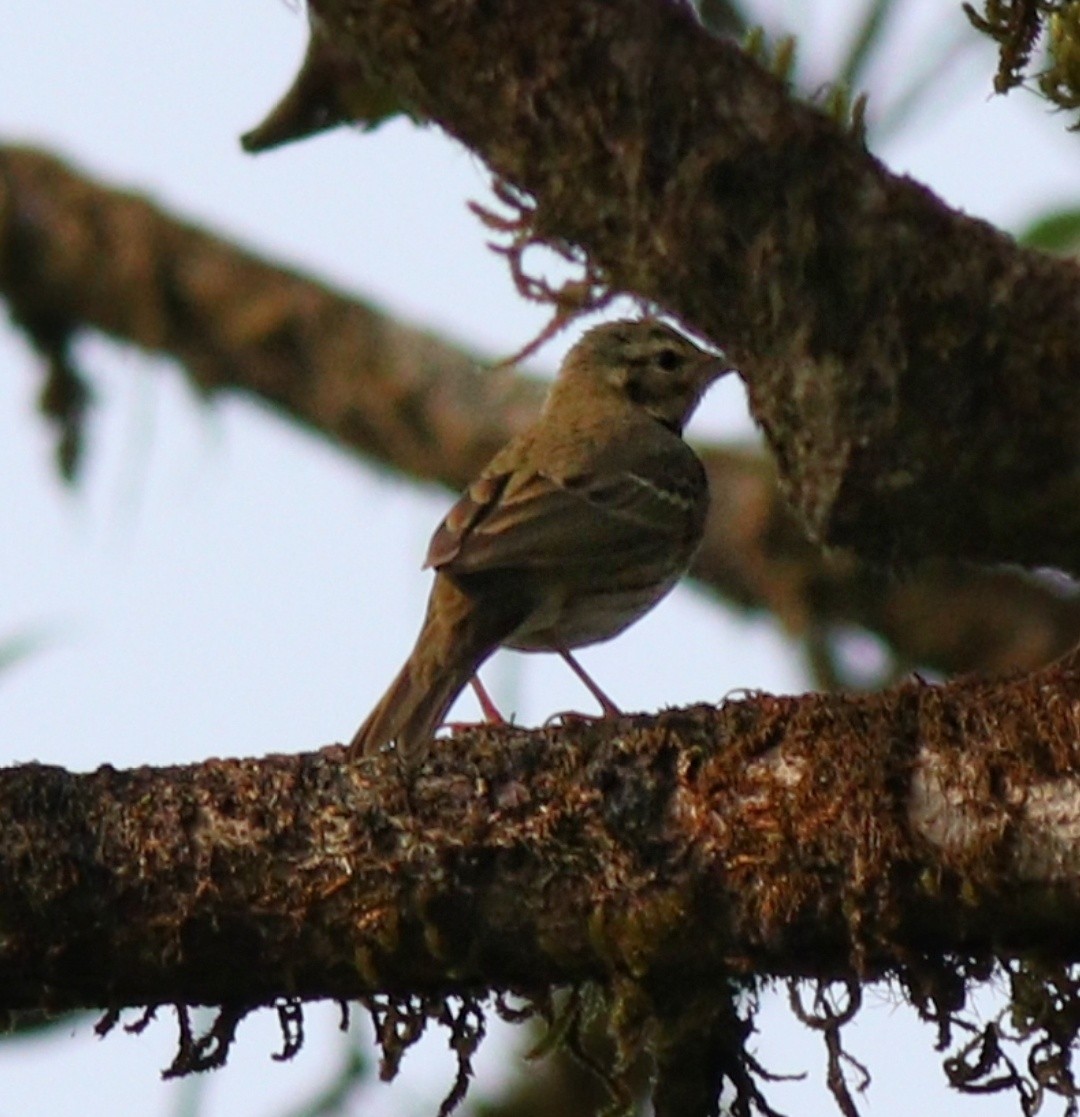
913	369
824	836
75	254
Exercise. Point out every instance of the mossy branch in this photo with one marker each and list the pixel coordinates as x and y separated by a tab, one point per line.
822	836
912	367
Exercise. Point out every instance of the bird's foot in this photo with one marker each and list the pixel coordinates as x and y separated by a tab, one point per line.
572	717
491	712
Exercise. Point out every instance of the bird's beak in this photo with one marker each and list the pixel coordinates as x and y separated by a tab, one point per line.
716	365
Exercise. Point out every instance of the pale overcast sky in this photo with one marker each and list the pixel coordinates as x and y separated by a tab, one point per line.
221	584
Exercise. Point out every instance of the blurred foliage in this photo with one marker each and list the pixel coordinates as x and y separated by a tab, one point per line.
1058	231
15	649
336	1096
868	34
854	79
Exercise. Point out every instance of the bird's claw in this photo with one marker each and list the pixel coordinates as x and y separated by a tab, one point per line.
570	717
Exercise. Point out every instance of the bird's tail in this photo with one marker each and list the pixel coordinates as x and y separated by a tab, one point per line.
454	641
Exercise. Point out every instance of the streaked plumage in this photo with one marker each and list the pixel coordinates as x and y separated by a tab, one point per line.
573	531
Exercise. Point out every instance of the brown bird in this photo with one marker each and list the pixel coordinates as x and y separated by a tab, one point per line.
575	529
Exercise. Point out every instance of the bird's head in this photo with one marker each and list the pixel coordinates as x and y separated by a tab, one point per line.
645	363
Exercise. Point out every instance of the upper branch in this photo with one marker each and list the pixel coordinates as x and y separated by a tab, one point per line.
913	368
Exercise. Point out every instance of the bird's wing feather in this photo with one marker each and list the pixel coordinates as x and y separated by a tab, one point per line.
537	522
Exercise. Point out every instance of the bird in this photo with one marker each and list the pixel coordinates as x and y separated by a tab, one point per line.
574	530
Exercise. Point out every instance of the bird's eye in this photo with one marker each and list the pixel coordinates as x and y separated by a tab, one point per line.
668	360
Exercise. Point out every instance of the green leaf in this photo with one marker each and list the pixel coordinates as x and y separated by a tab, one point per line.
1055	232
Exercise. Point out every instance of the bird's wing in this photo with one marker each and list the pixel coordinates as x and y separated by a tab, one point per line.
641	509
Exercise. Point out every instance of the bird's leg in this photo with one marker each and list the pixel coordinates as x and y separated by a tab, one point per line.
491	711
609	707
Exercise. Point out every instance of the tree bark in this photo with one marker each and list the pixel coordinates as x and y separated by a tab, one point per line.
825	836
912	368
